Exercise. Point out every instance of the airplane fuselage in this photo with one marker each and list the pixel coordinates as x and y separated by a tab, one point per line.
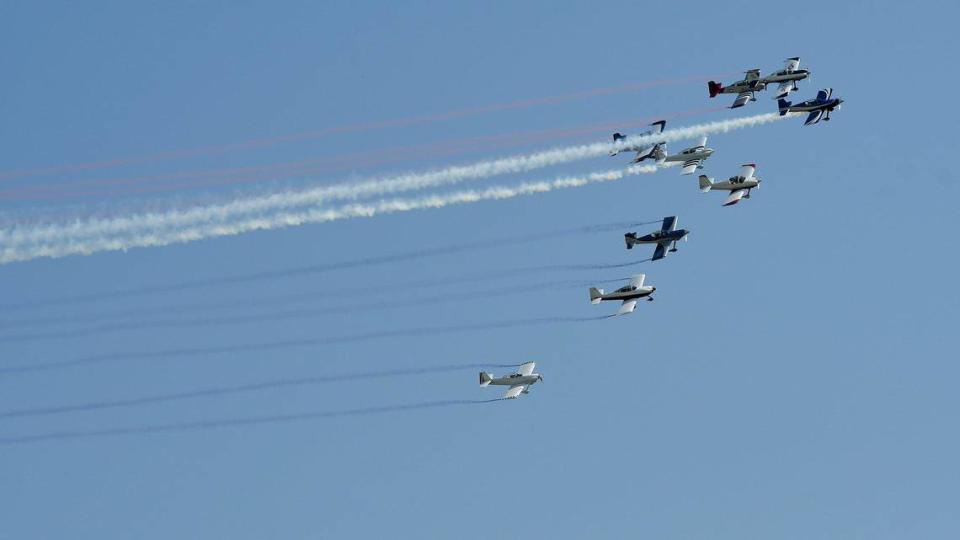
737	182
628	293
515	379
786	76
661	237
815	105
698	152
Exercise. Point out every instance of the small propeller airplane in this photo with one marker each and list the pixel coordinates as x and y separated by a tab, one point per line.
519	382
643	151
818	107
628	294
692	158
667	235
739	186
787	77
745	88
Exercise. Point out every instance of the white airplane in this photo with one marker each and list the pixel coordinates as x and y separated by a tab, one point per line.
629	294
643	151
739	186
519	382
692	158
787	77
745	89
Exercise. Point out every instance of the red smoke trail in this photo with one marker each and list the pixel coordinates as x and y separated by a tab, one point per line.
350	128
250	175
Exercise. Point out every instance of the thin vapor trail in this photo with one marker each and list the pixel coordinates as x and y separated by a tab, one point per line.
188	321
272	211
289	382
292	343
235	422
164	235
349	128
313	269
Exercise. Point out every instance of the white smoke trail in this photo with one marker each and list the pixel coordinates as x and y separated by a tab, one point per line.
166	235
251	206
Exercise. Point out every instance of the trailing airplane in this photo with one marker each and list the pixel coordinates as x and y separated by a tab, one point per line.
818	107
787	77
744	88
738	186
692	158
643	151
667	235
628	294
519	382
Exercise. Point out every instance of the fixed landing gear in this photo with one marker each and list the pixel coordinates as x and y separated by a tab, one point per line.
649	299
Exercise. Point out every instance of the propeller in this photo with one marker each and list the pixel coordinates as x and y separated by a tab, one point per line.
540	377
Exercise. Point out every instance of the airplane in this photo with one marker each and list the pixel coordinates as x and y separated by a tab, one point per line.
629	294
519	382
692	157
643	151
744	88
738	186
667	235
787	77
823	103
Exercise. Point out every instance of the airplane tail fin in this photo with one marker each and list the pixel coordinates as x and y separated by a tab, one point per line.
705	183
659	152
595	295
629	238
715	88
485	378
617	137
784	106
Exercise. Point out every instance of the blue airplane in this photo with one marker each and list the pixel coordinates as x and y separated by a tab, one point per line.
668	235
818	107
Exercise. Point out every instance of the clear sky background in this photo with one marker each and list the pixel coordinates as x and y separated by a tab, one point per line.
795	378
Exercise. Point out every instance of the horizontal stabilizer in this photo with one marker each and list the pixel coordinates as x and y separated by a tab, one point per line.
705	183
595	295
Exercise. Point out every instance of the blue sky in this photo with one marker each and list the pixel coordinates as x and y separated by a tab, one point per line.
794	378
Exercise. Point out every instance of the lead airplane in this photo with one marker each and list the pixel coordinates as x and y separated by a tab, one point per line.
519	382
692	158
745	88
628	294
787	77
667	235
824	103
739	186
644	151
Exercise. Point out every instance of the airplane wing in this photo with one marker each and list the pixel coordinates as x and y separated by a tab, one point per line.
627	307
792	64
735	197
658	127
742	99
669	223
513	391
637	280
703	141
813	117
527	369
824	95
784	89
829	93
690	166
660	252
747	170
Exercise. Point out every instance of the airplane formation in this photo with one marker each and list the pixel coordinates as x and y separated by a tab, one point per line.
740	186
